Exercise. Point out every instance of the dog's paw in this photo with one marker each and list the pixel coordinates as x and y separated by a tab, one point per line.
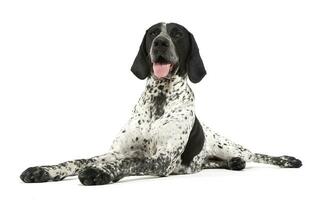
288	162
94	176
35	175
236	163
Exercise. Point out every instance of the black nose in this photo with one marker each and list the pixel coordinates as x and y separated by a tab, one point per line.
161	42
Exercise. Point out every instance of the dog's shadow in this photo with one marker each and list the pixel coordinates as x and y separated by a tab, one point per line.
124	180
152	178
136	178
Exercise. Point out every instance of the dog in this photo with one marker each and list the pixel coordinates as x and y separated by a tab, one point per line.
163	136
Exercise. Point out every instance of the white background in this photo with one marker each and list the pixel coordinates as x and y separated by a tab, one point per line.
66	89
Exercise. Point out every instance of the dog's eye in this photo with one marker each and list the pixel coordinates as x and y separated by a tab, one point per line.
154	33
176	34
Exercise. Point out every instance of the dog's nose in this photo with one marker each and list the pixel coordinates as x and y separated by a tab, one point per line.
161	42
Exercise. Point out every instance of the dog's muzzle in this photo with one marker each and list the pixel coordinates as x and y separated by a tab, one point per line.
163	56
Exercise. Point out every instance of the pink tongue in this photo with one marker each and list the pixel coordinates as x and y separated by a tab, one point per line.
161	70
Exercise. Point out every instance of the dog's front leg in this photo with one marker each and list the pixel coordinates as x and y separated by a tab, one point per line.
58	172
170	137
161	164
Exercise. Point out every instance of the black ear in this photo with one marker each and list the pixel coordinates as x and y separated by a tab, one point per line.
194	65
140	67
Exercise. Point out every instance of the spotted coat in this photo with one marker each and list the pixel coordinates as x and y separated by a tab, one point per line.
163	135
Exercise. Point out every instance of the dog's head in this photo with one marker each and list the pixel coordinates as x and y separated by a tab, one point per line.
167	50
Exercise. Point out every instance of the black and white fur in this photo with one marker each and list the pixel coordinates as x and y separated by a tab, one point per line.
163	135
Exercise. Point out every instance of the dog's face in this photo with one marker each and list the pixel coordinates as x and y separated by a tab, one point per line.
167	50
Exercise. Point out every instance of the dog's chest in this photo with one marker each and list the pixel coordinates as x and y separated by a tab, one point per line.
159	108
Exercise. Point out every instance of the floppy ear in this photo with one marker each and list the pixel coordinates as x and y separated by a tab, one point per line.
194	65
140	67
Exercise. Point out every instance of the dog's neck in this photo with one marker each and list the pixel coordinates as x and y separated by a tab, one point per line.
160	93
173	85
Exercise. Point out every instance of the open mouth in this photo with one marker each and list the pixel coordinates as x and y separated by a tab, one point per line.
162	70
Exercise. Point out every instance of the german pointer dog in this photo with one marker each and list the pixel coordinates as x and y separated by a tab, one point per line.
163	135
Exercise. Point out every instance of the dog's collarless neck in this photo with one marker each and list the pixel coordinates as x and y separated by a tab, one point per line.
175	81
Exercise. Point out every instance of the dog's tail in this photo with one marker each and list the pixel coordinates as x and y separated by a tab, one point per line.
281	161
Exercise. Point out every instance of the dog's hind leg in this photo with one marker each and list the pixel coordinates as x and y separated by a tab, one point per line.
235	163
235	154
281	161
